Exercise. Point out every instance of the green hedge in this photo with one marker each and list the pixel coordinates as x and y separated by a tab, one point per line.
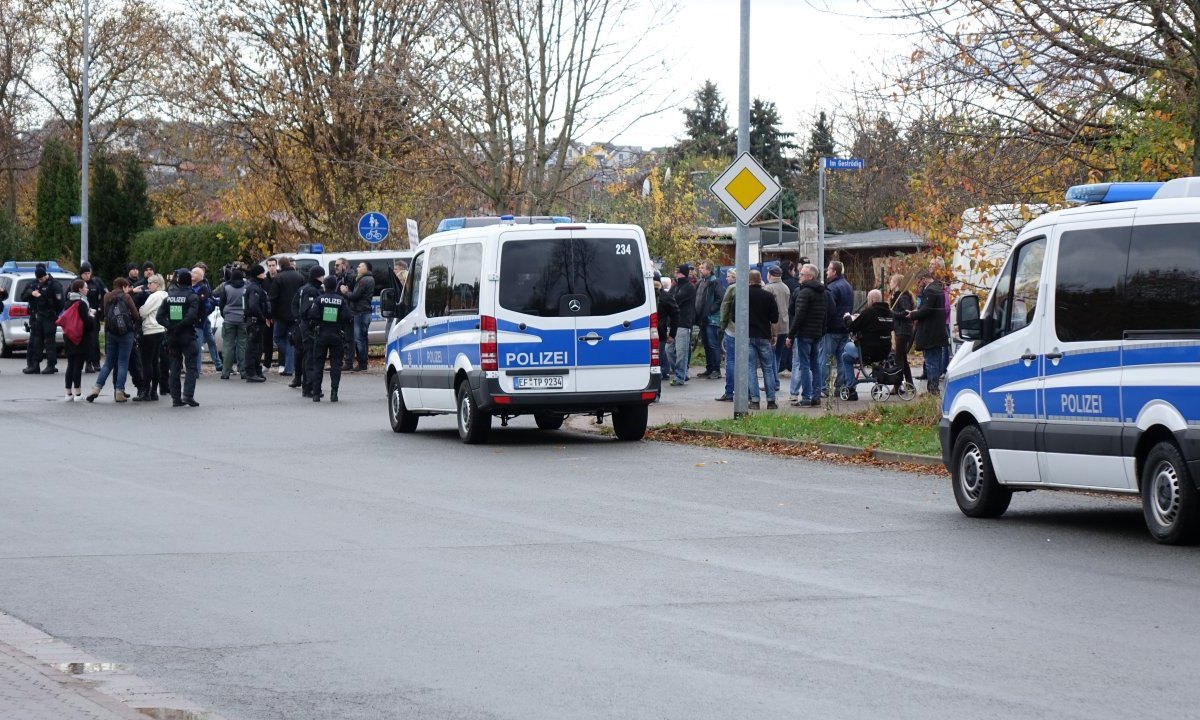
185	245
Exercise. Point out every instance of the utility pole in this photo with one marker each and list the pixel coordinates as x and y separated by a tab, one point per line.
85	137
741	308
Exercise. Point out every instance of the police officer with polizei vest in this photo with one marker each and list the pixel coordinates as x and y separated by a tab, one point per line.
45	298
304	334
330	314
179	313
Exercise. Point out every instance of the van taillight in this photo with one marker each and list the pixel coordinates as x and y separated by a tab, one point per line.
654	354
18	310
487	343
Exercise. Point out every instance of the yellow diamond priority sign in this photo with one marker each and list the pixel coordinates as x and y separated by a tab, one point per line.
745	188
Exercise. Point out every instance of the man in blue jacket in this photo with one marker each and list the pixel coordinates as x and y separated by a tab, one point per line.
839	302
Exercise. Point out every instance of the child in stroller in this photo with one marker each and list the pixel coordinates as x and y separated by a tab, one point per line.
872	348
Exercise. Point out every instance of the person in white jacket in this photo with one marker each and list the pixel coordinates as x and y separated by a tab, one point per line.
151	339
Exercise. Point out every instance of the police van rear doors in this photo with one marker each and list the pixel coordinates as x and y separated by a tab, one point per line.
572	310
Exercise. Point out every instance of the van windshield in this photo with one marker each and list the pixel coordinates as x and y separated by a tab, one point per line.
536	274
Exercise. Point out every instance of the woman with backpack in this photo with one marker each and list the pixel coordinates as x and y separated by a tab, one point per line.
151	341
121	319
77	351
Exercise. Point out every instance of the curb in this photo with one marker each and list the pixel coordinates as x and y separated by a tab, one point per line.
847	450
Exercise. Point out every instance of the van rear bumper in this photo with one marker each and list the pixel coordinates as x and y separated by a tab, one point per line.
489	397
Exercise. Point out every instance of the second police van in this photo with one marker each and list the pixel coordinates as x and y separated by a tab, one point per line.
536	319
1082	370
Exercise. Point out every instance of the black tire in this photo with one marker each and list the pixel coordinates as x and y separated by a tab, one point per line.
975	487
549	421
473	425
6	349
402	420
629	422
1170	500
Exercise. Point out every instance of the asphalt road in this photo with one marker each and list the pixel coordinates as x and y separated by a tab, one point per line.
269	557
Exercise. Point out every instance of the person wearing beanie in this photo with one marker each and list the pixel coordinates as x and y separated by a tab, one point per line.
95	291
303	336
230	302
330	315
257	310
45	298
179	314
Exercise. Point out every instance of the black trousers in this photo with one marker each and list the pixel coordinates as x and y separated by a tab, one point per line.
254	348
136	370
184	361
150	346
301	349
331	347
92	340
266	348
903	343
75	369
41	340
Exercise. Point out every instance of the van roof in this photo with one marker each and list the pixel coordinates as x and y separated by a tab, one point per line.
489	232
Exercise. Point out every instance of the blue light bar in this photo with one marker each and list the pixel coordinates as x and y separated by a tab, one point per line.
451	224
1112	192
13	266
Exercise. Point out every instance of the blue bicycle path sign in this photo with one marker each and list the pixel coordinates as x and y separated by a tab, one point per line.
373	227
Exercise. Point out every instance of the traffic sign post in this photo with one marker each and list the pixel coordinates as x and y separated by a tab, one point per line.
829	163
746	188
414	237
373	227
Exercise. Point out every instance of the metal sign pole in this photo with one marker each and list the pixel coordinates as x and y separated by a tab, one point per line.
821	218
741	379
84	134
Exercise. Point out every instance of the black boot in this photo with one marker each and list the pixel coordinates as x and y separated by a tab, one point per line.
154	395
333	395
317	397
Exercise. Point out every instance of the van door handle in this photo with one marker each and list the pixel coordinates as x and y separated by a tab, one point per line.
1054	356
1029	357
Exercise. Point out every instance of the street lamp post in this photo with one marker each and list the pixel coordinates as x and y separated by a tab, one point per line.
85	141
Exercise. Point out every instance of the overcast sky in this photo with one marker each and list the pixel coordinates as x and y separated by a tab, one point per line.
804	56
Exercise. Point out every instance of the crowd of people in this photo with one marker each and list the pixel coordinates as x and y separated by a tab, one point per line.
157	328
800	327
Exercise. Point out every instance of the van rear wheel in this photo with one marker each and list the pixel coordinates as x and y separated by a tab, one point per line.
1169	497
402	420
549	421
473	425
629	422
976	489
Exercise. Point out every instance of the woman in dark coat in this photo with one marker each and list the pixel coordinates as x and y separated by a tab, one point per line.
930	334
902	303
77	353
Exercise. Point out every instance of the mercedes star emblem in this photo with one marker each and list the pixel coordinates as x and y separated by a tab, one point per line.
574	305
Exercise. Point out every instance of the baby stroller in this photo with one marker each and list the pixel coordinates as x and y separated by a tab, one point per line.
877	364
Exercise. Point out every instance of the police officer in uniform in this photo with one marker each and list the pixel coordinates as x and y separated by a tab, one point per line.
45	298
330	314
258	309
302	334
179	313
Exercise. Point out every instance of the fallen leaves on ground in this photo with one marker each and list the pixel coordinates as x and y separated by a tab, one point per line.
807	451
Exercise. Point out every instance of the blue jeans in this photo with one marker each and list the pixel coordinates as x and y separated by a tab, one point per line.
730	351
362	325
680	350
933	368
204	336
710	336
805	367
849	357
116	355
783	358
282	335
666	352
762	355
831	349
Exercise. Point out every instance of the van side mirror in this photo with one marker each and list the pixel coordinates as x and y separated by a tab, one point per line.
970	327
388	305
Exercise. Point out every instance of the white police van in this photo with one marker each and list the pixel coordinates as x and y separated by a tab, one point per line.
1082	371
543	319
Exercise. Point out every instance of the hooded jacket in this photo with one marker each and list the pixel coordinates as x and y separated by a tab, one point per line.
685	299
808	311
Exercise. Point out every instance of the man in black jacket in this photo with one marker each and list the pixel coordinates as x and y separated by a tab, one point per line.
684	294
45	298
930	335
283	297
304	336
179	313
330	314
360	297
258	309
668	325
764	313
709	295
96	290
807	328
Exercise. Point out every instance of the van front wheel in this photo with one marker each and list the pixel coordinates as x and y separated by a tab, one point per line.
1169	497
629	422
473	425
976	489
403	421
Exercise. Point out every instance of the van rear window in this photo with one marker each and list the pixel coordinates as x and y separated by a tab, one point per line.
535	274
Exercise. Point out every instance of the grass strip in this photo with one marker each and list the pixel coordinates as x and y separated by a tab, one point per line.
905	427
